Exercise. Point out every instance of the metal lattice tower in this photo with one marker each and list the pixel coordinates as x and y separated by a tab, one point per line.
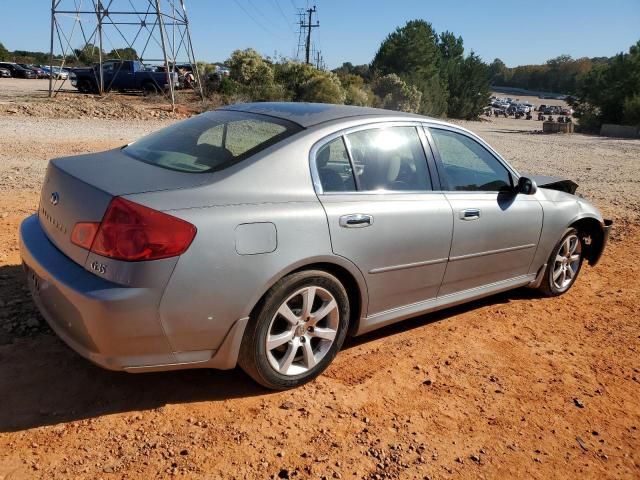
157	30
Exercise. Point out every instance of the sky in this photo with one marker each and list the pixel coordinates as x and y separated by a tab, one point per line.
518	32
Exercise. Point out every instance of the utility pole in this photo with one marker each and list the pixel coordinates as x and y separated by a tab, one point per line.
100	15
53	26
309	26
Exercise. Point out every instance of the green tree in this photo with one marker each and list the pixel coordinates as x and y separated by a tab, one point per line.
631	110
468	87
88	54
451	47
497	72
347	68
412	53
608	93
123	54
4	53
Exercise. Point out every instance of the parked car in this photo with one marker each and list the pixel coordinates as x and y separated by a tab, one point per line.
549	110
5	73
37	70
262	234
17	71
57	73
121	75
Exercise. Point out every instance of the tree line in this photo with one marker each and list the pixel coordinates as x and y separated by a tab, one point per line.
610	93
415	70
87	55
559	75
601	89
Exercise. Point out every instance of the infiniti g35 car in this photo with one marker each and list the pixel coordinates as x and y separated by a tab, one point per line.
264	234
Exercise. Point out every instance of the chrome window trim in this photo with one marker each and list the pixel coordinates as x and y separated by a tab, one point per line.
315	175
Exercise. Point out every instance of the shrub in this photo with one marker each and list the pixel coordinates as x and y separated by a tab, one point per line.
325	88
395	94
249	68
357	96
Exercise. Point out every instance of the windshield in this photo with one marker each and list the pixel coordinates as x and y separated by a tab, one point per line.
211	141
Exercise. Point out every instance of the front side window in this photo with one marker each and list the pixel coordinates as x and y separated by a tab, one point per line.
468	165
389	158
211	141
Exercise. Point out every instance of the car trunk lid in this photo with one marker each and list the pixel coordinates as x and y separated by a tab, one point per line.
79	189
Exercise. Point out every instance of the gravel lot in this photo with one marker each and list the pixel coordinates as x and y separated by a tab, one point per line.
511	386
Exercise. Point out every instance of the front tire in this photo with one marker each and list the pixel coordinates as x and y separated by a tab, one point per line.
297	331
563	265
149	88
85	86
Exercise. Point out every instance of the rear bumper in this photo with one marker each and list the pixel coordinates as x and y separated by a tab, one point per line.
113	326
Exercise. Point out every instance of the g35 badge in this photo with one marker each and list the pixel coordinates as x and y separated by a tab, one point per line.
99	267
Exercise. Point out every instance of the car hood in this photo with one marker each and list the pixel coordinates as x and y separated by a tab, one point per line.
554	183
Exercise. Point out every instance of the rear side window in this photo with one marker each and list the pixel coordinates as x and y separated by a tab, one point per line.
211	141
468	165
389	158
334	168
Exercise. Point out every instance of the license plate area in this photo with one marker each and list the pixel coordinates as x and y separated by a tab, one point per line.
35	283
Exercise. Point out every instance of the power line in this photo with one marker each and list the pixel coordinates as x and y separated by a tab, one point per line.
284	16
255	7
255	20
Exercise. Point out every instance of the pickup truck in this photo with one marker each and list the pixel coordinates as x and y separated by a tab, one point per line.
121	75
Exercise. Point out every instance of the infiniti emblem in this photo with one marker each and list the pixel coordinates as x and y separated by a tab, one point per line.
55	198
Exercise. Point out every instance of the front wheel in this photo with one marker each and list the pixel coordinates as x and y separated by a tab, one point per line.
85	86
564	265
149	88
298	330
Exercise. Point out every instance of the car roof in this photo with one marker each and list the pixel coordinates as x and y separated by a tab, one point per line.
309	114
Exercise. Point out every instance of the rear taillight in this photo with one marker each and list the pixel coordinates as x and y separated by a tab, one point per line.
84	233
133	232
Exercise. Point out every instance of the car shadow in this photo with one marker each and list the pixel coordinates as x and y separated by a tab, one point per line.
513	130
43	382
440	315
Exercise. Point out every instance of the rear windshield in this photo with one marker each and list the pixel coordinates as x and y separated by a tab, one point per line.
211	141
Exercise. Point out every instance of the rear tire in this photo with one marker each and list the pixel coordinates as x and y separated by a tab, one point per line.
297	332
563	265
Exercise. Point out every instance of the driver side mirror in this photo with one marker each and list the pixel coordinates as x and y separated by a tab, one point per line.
526	186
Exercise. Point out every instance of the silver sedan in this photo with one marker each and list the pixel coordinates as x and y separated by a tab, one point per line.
264	234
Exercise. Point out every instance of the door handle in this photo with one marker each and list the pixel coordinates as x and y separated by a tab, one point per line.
356	220
470	214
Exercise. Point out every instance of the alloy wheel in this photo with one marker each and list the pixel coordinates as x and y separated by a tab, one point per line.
302	330
567	262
